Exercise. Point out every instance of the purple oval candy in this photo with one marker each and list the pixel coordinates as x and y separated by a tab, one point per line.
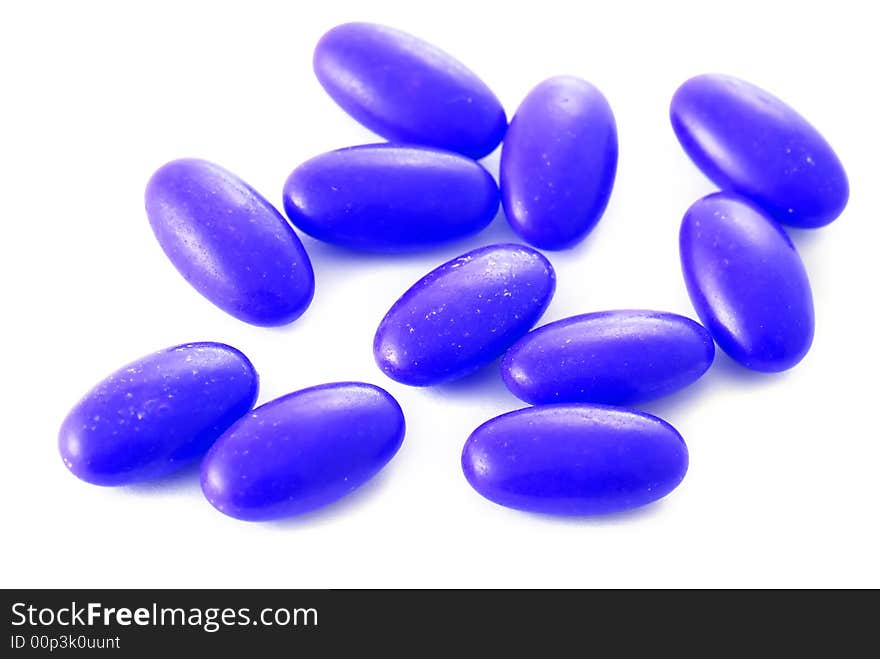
558	162
157	414
572	459
390	198
747	282
748	141
407	90
613	357
464	314
229	242
302	451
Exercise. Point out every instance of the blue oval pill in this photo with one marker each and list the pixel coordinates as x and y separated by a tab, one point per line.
613	357
157	414
574	459
558	162
390	198
464	314
748	141
747	282
229	242
302	451
407	90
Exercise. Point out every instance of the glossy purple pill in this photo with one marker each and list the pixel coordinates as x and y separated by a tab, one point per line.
574	459
613	357
464	314
748	141
558	162
747	282
390	198
407	90
229	242
157	414
302	451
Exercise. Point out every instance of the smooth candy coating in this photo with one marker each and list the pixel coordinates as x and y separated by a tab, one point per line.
558	162
229	242
302	451
748	141
612	357
157	414
390	198
574	459
407	90
464	314
747	282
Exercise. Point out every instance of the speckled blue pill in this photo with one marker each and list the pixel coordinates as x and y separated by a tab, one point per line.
302	451
229	242
747	282
389	197
407	90
157	414
574	459
464	314
558	162
613	357
750	142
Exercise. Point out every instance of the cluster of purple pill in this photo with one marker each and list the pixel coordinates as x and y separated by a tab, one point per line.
576	451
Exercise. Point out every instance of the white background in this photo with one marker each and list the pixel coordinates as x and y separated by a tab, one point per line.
783	483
